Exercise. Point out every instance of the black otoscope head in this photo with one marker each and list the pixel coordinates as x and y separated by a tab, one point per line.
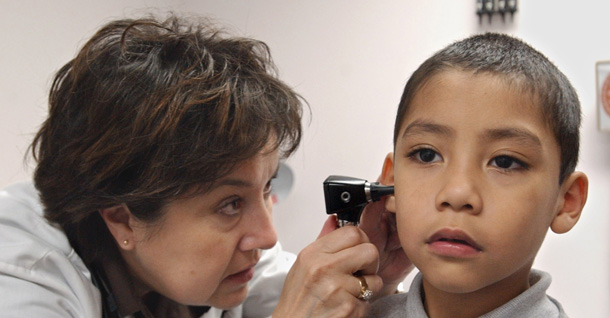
347	197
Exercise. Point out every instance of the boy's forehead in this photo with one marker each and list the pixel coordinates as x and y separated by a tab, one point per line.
459	90
517	88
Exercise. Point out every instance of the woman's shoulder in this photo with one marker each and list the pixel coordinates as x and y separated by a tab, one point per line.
37	262
27	239
22	221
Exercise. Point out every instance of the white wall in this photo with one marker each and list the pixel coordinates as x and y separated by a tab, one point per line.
350	60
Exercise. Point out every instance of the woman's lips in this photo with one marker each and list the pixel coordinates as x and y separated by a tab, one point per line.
453	243
241	277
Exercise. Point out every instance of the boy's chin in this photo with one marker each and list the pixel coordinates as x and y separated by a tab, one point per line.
454	284
467	282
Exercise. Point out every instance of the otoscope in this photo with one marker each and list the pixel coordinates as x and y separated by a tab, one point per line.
347	197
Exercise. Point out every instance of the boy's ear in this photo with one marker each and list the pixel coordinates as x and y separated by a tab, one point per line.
117	219
574	196
387	178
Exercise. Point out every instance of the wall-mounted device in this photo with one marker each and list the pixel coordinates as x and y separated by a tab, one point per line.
491	7
347	197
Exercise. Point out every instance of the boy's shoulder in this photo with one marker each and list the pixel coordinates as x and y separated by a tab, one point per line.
392	306
401	305
534	302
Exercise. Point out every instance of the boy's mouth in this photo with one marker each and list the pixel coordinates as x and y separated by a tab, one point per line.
453	242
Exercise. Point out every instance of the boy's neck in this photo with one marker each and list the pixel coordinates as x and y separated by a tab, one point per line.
439	303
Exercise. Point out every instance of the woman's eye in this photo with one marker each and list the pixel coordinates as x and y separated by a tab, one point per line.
231	208
425	155
508	163
268	188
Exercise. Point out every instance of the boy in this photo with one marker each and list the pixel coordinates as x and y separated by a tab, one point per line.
485	146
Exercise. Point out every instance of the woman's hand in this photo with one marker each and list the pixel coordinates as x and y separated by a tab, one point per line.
322	283
380	227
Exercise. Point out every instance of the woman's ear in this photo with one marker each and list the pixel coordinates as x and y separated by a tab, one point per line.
117	219
573	198
387	178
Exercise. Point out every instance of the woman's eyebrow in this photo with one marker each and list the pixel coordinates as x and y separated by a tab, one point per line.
419	126
277	170
235	182
241	183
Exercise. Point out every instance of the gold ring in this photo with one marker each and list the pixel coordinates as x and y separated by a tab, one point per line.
365	293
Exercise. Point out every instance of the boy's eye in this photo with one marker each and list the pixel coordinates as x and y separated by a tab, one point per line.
425	155
508	163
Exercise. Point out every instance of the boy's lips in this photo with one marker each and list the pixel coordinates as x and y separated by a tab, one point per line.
453	243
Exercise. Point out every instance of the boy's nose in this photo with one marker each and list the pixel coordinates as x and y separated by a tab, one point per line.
459	191
260	232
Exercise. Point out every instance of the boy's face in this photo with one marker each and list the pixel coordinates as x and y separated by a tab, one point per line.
476	173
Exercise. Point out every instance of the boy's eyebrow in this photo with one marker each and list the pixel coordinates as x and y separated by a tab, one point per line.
422	126
522	135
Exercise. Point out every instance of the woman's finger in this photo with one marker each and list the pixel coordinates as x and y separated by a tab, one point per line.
340	239
364	287
329	226
363	259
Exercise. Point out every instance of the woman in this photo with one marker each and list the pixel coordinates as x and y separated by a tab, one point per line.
154	169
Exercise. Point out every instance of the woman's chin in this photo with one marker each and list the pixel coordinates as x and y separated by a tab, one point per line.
230	299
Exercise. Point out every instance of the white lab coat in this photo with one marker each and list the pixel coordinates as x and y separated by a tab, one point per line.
42	276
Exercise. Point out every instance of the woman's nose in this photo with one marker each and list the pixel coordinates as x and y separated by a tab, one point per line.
459	190
261	233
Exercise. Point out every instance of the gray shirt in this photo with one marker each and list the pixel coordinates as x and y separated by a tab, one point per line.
534	302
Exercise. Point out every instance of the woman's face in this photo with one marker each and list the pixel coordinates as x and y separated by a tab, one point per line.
203	250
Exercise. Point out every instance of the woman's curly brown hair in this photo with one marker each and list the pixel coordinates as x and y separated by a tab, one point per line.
149	111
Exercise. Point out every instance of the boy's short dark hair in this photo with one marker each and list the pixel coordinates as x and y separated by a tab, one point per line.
521	66
149	111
